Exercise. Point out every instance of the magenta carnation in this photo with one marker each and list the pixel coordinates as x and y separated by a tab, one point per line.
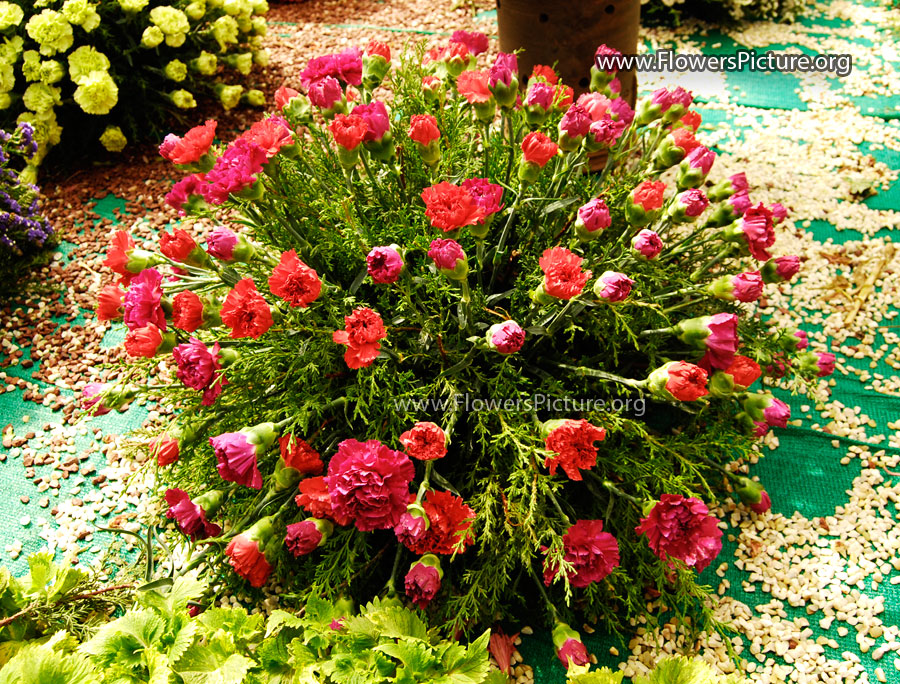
143	301
693	201
422	583
384	264
446	254
325	93
191	517
488	196
592	552
722	341
825	363
375	115
303	538
369	483
506	338
236	458
234	171
475	41
647	243
576	122
613	287
197	368
758	230
221	242
747	287
594	216
681	528
777	413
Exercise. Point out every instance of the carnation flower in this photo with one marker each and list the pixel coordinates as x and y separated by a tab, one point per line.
166	449
236	453
592	552
294	281
423	581
488	196
191	515
764	504
743	287
506	337
110	303
694	168
543	73
767	411
84	60
326	93
246	556
613	287
147	341
348	130
199	368
473	85
681	528
187	311
647	244
315	500
413	525
91	401
592	219
539	97
384	264
143	301
756	229
744	372
300	456
538	149
688	205
570	650
97	93
184	190
270	134
362	331
573	126
375	115
304	537
50	31
423	129
717	334
825	363
780	269
221	242
563	277
450	523
425	442
449	258
573	443
235	171
283	95
369	483
245	311
475	41
646	200
450	207
678	381
178	245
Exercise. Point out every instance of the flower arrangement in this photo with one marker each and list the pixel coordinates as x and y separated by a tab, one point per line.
24	234
673	12
431	354
117	70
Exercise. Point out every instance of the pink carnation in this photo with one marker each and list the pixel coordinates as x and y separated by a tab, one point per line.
143	301
422	583
375	115
369	483
234	171
613	287
747	287
236	458
681	528
325	93
198	368
507	337
475	41
488	196
220	243
384	264
647	243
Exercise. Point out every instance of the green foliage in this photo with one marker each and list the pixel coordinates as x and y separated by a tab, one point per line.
682	670
157	642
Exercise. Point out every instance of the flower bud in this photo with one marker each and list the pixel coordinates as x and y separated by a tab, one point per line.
750	492
694	168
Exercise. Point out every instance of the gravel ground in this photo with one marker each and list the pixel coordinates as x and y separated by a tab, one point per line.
816	159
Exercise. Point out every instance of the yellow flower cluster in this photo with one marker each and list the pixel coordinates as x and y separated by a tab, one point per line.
49	58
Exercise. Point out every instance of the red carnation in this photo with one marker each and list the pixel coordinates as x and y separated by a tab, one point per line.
284	95
592	552
686	381
451	207
294	281
425	442
682	528
423	129
109	303
473	85
348	130
143	341
165	449
315	500
187	311
245	311
692	120
450	528
378	48
563	277
684	138
246	557
649	195
178	245
191	147
300	456
744	370
538	149
563	97
542	72
362	331
118	254
573	443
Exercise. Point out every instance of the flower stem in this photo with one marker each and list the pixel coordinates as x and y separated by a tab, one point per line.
603	375
391	585
543	593
726	250
429	466
504	235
